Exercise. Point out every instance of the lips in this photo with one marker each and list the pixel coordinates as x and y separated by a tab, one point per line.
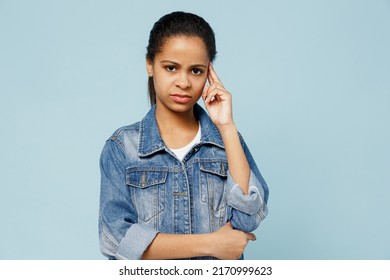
180	98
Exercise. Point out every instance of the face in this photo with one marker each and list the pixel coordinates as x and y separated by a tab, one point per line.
179	73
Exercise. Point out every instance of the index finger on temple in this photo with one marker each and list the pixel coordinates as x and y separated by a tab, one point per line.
213	75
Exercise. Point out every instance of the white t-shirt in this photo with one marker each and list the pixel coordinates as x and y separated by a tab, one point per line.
181	152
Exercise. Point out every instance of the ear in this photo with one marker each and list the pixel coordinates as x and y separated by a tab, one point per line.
149	68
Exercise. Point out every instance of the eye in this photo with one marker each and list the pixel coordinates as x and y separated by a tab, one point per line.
170	68
197	71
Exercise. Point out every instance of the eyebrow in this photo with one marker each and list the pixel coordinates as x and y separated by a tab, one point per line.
178	64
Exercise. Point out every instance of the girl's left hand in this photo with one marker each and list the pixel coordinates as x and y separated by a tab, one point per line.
217	100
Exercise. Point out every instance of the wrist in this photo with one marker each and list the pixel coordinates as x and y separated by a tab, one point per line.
208	245
227	129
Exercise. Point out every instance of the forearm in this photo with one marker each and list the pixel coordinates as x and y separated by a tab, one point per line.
178	246
225	243
238	164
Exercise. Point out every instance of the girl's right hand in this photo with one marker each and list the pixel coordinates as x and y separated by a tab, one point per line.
229	243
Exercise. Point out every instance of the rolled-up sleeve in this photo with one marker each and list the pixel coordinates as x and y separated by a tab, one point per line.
245	212
120	236
132	246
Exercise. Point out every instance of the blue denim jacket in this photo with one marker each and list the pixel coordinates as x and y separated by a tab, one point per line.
145	189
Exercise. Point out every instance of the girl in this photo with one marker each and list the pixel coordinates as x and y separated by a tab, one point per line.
180	183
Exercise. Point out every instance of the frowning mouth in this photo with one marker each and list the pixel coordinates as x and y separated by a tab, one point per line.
180	98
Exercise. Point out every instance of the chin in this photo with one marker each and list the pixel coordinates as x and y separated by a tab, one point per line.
182	108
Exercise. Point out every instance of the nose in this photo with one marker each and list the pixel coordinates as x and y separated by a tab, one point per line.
183	81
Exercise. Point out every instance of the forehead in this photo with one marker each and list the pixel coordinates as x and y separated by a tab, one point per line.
187	48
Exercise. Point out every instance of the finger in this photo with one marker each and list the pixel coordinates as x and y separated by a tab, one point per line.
212	75
211	96
205	92
251	236
217	85
212	92
216	93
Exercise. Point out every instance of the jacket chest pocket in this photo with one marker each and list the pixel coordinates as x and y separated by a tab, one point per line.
148	190
213	176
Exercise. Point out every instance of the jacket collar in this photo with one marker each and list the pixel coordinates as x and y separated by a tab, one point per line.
150	141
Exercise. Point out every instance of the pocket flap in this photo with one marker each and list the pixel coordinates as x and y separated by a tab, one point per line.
143	178
216	167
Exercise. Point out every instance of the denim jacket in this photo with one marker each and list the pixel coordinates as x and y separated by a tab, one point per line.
145	189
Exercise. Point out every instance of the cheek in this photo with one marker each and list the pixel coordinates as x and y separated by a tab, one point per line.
162	81
199	84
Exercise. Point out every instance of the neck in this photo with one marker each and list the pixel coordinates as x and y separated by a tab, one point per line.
167	119
177	129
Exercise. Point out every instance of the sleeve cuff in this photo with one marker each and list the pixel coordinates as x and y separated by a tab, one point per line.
135	242
250	203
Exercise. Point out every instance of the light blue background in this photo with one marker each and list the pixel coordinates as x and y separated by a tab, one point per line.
311	88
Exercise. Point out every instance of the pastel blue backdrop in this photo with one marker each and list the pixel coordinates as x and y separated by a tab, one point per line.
311	88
